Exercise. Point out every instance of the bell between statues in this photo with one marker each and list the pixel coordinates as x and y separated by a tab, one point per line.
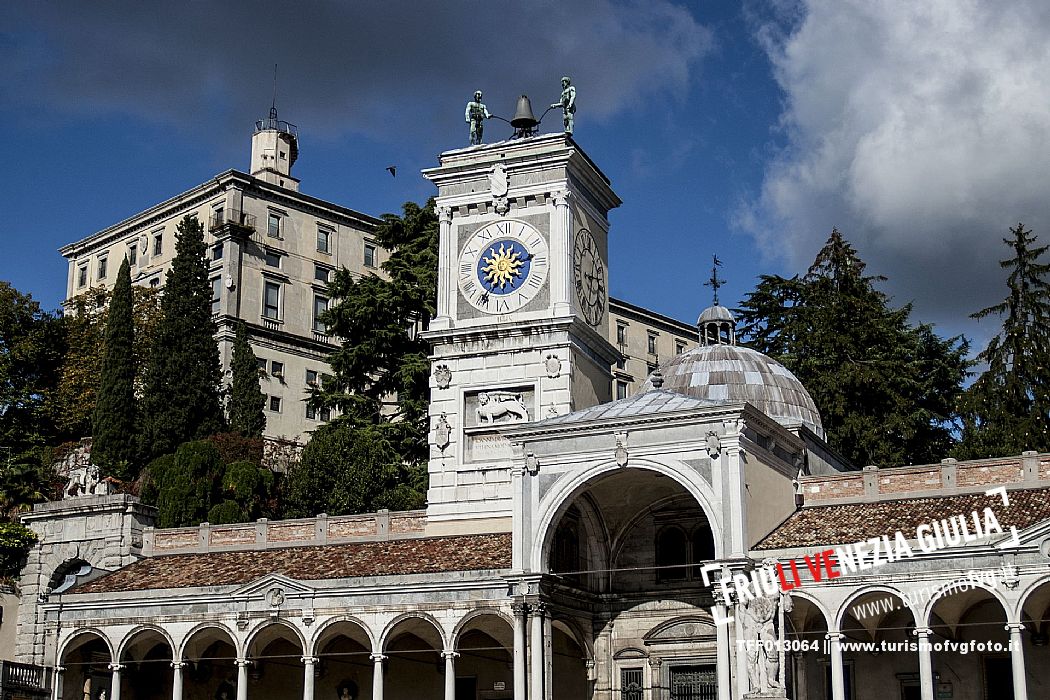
524	121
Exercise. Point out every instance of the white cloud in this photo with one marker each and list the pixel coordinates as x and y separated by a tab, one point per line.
921	130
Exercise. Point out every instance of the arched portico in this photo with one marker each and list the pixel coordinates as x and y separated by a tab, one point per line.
561	496
210	663
146	655
414	660
343	648
87	659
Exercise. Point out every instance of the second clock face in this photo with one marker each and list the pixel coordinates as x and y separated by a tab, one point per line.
589	273
503	266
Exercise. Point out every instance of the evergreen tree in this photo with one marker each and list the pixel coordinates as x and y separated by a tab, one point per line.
381	371
86	320
374	454
1007	409
113	424
180	401
246	397
885	388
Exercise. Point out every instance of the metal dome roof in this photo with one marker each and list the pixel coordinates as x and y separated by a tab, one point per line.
728	373
715	313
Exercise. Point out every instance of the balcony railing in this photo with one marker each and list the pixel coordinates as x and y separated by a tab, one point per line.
277	125
231	217
23	676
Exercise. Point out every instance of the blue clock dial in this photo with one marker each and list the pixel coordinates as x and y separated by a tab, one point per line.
503	266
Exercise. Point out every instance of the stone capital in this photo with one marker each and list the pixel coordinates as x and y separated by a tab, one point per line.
1014	627
116	667
449	654
519	609
922	632
178	665
241	663
561	198
377	658
309	660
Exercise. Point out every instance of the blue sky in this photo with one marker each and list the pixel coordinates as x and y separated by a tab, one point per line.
742	129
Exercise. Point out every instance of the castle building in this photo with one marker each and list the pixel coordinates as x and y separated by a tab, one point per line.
273	251
693	539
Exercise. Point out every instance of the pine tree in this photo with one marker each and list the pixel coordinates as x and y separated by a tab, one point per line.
1007	409
180	400
246	398
380	380
381	371
885	388
113	424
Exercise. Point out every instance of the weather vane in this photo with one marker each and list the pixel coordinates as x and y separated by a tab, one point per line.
714	283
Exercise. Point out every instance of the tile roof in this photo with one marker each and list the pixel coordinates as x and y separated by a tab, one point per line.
391	557
853	522
647	403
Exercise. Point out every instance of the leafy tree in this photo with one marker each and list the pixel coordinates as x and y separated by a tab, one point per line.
24	483
113	425
180	401
32	343
15	542
381	371
1007	409
182	484
885	388
247	492
87	316
246	397
347	469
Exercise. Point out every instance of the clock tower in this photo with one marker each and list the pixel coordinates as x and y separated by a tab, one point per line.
522	319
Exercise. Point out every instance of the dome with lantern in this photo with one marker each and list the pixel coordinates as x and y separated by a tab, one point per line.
720	370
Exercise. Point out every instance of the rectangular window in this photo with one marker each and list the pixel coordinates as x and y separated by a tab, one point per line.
101	269
321	273
324	240
370	255
158	243
326	414
320	306
261	361
133	255
82	276
277	369
216	294
272	301
621	333
311	412
273	225
631	684
275	404
652	343
679	347
216	252
311	377
272	258
621	362
155	282
621	389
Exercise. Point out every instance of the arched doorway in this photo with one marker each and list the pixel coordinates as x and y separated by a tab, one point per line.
485	644
344	665
276	651
146	657
86	658
414	667
806	624
631	543
971	615
209	653
882	618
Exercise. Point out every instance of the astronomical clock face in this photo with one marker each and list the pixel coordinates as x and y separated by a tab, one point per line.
503	266
589	274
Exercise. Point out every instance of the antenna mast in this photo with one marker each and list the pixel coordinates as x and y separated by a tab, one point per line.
273	106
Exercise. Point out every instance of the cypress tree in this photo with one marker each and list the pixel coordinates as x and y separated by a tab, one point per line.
1007	409
180	399
246	398
113	423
